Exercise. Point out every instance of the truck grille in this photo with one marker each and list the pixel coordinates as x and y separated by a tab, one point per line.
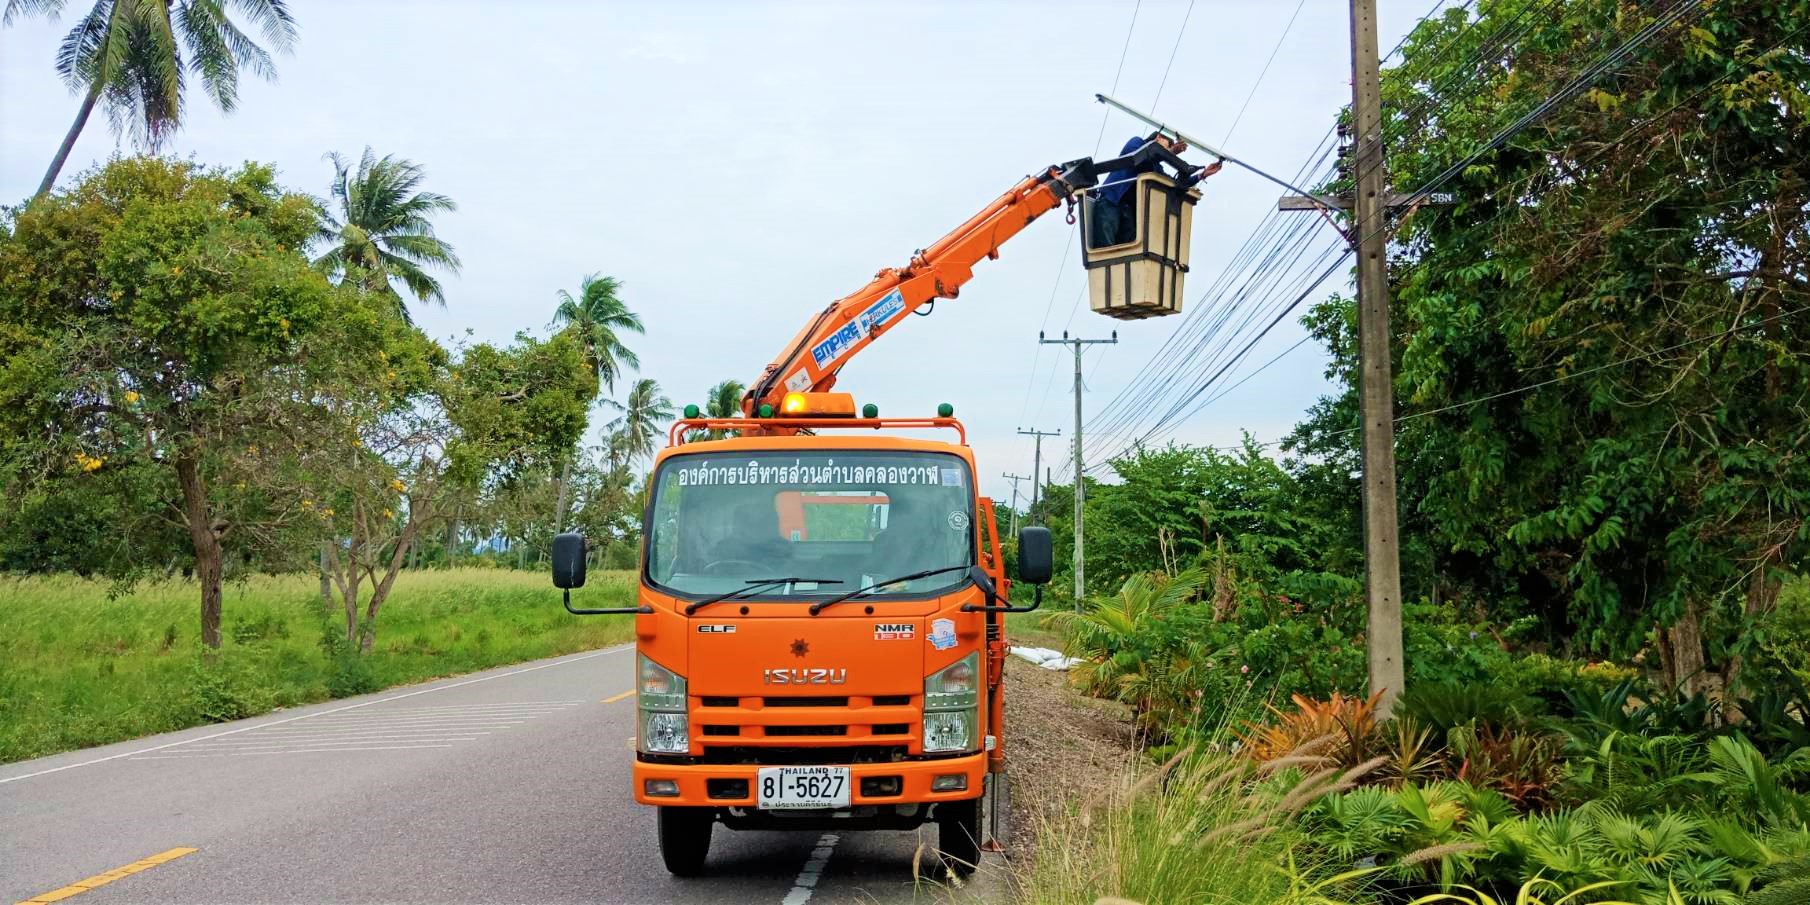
806	730
805	701
828	754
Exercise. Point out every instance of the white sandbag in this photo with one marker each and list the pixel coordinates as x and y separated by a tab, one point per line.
1044	657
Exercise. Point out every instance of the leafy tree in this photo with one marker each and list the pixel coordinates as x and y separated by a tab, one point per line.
378	229
447	427
132	55
162	318
1607	330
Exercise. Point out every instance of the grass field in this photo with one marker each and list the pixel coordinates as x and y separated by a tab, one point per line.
80	669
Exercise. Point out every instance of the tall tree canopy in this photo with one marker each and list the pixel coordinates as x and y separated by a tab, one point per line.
1605	341
131	56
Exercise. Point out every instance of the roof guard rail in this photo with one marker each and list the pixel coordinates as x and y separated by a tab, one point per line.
677	434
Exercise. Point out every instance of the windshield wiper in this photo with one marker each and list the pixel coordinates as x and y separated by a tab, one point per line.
820	606
752	586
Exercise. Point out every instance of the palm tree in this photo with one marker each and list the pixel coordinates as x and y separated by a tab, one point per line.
723	401
379	232
599	315
642	414
131	54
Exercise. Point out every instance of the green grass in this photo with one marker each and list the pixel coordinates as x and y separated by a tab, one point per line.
80	669
1205	831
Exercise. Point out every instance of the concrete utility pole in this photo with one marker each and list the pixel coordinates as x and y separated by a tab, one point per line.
1080	466
1015	478
1382	548
1037	466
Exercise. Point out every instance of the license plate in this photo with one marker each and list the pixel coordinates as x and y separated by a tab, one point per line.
787	788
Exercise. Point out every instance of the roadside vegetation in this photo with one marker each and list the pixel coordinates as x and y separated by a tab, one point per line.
1604	517
80	667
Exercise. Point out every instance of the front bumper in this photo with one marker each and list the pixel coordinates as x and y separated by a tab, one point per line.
694	781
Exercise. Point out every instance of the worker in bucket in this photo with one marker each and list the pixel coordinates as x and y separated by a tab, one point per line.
1115	208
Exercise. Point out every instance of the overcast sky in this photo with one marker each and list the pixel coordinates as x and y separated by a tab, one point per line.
740	165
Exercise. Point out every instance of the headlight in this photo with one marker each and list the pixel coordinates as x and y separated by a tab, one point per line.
660	695
951	706
659	688
951	730
664	733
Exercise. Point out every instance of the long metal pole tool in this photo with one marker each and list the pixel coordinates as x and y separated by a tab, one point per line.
1331	204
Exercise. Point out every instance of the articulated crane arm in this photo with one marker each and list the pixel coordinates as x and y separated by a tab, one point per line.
814	357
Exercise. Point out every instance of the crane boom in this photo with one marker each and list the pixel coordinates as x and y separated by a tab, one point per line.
813	358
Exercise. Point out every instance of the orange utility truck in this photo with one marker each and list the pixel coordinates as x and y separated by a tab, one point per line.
820	621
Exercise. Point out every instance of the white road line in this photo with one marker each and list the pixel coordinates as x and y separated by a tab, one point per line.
520	704
455	711
413	733
304	746
305	716
491	704
812	871
417	724
296	751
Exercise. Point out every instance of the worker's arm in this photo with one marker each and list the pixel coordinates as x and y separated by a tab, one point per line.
810	361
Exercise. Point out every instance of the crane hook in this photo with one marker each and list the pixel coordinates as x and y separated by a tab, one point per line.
1070	213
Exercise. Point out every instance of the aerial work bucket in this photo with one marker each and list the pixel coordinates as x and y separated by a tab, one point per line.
1137	253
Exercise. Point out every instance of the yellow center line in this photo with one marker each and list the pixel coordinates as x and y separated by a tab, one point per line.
617	697
102	879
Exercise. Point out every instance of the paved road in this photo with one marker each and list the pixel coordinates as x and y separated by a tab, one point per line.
505	786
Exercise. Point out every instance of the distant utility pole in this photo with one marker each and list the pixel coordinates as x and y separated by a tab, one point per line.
1037	466
1015	478
1080	466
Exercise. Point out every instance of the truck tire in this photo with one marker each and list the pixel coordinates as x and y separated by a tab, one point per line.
959	835
685	839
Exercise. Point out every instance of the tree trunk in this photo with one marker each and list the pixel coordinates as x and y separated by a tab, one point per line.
452	540
1681	651
565	490
381	591
326	583
1762	598
75	132
205	538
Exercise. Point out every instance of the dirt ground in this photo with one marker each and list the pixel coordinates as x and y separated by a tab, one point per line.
1060	746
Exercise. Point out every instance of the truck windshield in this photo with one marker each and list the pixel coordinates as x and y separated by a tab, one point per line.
854	517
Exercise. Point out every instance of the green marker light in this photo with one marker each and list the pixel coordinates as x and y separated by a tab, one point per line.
870	411
945	410
691	411
766	410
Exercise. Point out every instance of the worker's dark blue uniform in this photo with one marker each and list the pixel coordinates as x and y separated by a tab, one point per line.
1115	217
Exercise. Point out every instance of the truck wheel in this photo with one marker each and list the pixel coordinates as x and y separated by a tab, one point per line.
958	835
685	839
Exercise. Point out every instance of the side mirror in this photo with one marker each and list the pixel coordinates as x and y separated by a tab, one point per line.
568	560
1036	556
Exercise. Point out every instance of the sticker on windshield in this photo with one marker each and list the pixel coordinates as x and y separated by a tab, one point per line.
942	634
952	477
958	520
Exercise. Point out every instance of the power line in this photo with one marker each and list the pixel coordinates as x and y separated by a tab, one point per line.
1263	72
1036	358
